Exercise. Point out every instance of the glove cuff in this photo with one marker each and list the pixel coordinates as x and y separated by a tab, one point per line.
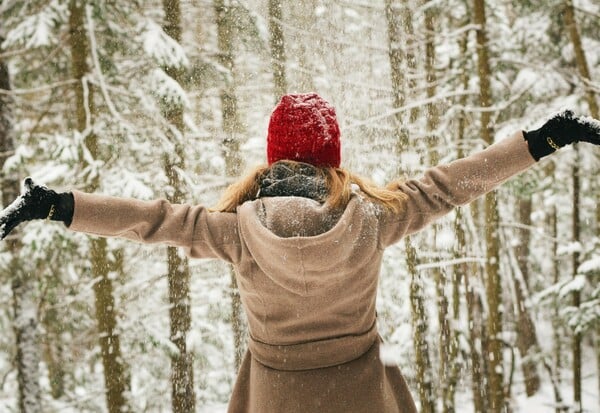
539	145
63	209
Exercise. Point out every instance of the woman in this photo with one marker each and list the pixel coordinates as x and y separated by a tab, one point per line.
306	239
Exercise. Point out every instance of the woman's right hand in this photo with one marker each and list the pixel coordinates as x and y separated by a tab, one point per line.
36	202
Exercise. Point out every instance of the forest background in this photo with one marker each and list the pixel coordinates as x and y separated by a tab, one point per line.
494	308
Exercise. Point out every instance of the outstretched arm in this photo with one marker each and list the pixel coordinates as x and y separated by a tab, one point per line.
201	233
446	186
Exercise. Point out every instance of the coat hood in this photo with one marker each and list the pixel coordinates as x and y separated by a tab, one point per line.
301	244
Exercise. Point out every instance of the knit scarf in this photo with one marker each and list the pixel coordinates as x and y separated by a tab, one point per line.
301	180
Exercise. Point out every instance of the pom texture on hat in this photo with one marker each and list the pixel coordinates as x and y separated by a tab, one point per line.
304	128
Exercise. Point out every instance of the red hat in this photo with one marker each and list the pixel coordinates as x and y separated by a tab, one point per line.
304	128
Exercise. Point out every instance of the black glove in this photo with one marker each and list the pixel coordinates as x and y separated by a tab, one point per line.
561	130
36	202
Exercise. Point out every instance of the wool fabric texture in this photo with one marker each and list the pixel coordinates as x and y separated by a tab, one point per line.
304	128
308	283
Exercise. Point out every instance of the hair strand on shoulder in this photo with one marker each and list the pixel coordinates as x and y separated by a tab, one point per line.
339	185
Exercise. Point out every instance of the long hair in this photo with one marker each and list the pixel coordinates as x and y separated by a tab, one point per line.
339	183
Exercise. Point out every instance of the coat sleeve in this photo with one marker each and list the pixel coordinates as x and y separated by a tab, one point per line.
202	234
444	187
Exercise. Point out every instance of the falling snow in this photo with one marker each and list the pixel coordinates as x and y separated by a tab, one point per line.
340	50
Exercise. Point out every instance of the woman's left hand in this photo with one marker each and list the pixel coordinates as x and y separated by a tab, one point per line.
560	130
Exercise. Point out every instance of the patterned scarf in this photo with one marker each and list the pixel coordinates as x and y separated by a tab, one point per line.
302	180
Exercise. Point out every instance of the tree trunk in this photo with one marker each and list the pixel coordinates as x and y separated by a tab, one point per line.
396	57
424	375
580	58
446	387
473	309
232	130
597	350
558	332
526	339
445	339
497	400
116	379
526	334
522	251
25	322
183	398
494	301
584	72
115	374
424	372
478	347
27	339
577	335
54	351
432	112
411	60
461	271
277	43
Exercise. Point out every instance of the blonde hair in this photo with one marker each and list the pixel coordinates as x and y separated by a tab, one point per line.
339	183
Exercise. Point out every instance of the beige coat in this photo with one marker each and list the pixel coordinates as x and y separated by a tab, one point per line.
308	279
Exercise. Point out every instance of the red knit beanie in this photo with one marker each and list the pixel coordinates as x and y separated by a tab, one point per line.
304	128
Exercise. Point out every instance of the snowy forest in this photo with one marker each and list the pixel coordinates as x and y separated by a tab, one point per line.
494	308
